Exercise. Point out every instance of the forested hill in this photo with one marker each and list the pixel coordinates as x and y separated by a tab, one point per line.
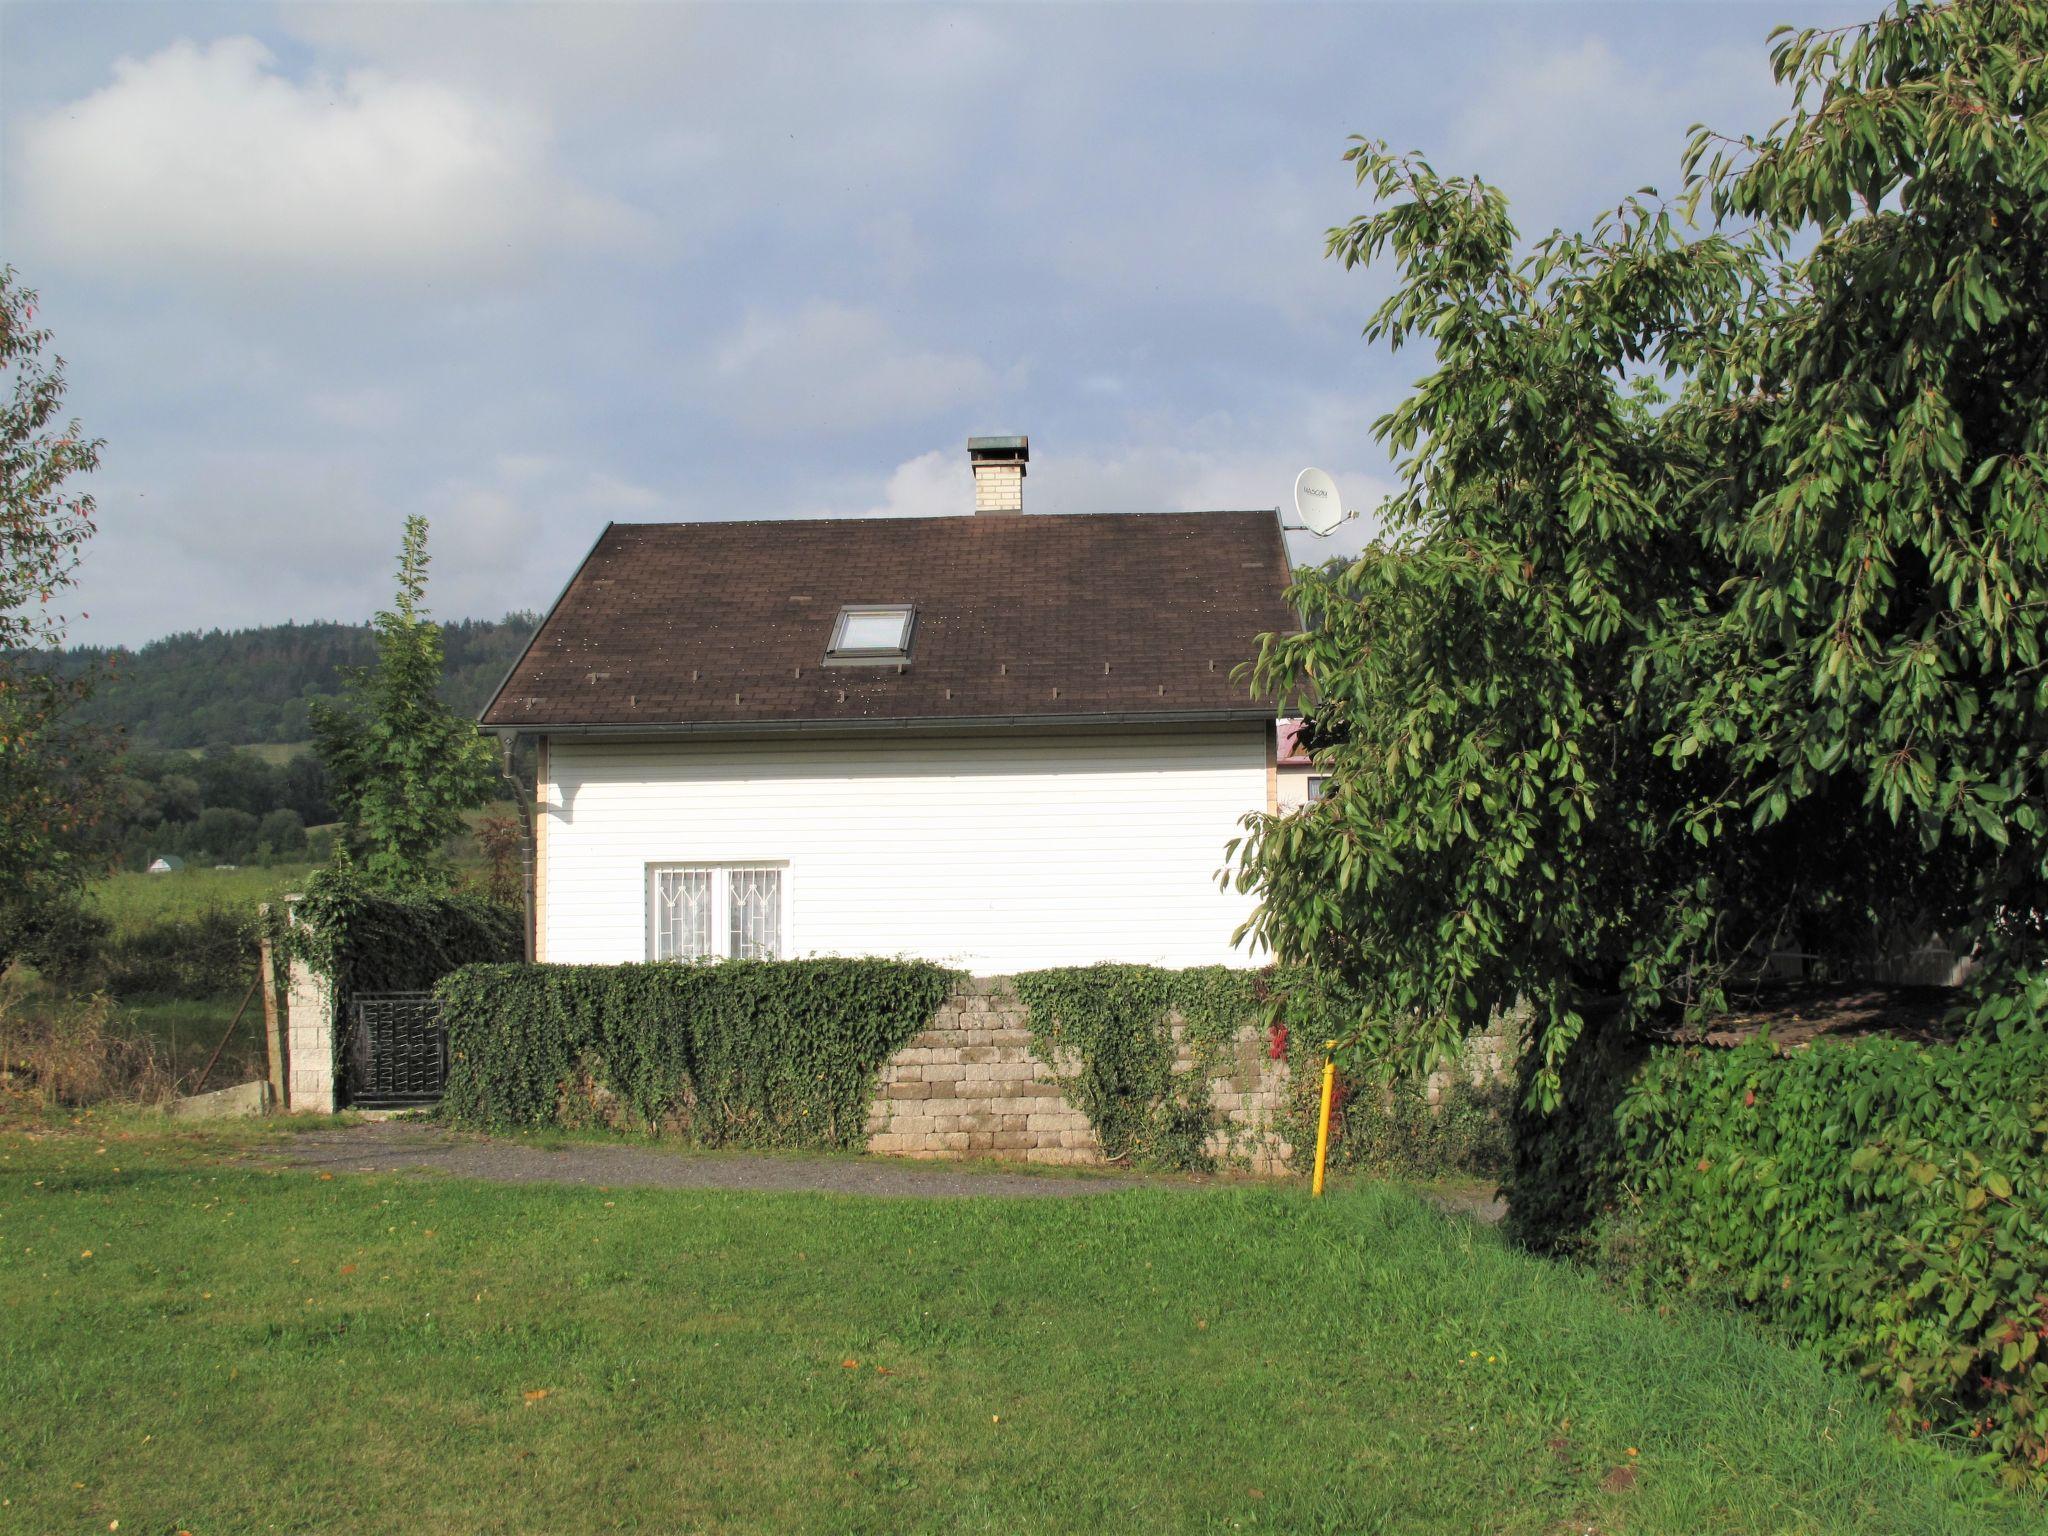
243	686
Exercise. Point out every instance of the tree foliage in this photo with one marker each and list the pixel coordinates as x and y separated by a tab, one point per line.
44	519
402	766
216	688
1712	612
50	772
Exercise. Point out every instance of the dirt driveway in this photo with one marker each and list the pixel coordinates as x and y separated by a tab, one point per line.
407	1146
412	1146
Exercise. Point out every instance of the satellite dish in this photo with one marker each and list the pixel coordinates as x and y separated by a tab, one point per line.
1317	503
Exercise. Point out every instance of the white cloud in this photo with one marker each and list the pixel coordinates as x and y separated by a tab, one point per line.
1565	130
488	524
829	367
369	409
261	535
935	484
1207	465
211	158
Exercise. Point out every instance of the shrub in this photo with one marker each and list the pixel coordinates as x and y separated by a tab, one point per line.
1565	1164
1385	1124
211	952
1884	1201
1107	1031
63	1052
60	938
1394	1131
779	1053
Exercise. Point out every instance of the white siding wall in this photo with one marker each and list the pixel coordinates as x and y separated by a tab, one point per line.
995	853
1292	782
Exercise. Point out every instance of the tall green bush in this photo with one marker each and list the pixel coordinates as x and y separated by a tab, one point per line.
1881	1200
1708	614
780	1053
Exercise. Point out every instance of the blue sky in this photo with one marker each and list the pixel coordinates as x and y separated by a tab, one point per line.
526	268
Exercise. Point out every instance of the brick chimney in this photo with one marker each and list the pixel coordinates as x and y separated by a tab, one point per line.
998	474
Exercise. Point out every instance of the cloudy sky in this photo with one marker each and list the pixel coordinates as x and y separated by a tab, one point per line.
527	268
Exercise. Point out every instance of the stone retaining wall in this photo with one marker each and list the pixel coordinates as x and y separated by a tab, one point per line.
1487	1057
970	1085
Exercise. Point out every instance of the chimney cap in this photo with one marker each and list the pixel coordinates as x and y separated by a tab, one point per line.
998	449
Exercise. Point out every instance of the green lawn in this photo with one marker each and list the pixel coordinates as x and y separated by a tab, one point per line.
196	1346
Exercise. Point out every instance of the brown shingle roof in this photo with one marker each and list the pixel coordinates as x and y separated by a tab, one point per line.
713	625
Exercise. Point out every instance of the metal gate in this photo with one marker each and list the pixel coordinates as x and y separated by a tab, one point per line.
395	1054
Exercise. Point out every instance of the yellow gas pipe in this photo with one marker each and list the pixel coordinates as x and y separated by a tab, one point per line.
1323	1118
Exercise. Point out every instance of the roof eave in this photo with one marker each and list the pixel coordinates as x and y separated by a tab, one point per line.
1249	714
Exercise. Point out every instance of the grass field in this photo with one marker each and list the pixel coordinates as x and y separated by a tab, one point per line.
132	900
194	1346
275	753
185	1031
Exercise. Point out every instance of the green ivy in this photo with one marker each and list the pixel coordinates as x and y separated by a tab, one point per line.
1385	1126
365	938
1114	1024
763	1053
1389	1128
1881	1200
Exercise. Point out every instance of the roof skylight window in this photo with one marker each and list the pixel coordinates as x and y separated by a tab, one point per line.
871	634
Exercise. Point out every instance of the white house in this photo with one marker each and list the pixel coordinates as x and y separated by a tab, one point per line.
1300	784
998	741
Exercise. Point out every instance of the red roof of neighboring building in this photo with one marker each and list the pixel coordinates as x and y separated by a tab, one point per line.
1292	753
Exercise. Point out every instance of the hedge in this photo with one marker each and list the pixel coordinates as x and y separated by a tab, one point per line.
1883	1201
762	1053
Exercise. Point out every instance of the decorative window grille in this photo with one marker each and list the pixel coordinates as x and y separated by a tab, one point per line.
716	912
682	914
755	903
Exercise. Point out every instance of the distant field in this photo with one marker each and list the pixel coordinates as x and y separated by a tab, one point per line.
131	900
272	752
185	1030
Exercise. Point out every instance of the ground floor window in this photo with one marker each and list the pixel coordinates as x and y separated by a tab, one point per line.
716	911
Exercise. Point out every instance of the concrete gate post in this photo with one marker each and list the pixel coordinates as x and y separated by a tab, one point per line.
309	1025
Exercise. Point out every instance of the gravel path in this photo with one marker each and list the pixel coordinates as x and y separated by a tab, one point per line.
410	1147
